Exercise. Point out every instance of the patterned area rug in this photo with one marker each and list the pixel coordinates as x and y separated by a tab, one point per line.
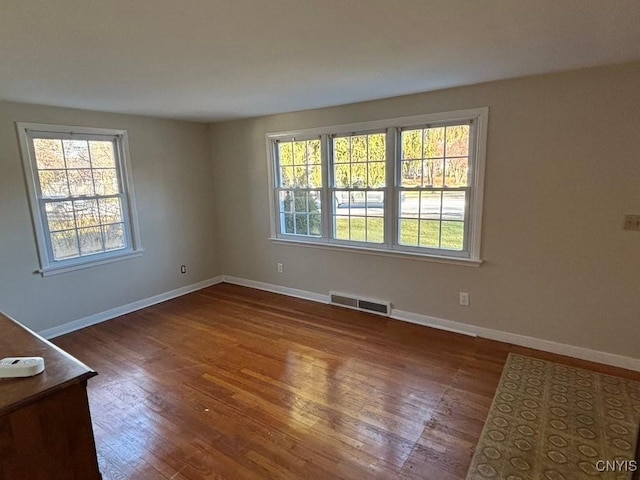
555	422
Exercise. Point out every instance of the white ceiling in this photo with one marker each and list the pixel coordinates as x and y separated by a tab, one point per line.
218	59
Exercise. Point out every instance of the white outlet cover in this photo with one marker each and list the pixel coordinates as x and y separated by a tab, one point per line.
464	299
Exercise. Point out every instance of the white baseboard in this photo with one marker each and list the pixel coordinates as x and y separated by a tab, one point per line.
269	287
582	353
433	322
131	307
597	356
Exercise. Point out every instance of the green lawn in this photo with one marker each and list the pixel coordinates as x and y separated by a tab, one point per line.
372	230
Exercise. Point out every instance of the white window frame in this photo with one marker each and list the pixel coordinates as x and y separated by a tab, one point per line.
277	189
473	220
49	266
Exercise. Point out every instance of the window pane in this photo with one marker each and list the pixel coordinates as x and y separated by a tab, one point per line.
457	172
430	203
358	175
341	228
375	230
286	203
411	144
110	210
430	233
377	175
60	216
288	224
358	229
453	235
102	155
408	232
341	150
411	173
375	203
81	182
341	200
86	213
114	236
300	176
76	153
90	240
433	172
298	202
359	216
301	212
342	175
409	204
313	152
287	177
359	148
315	176
106	181
302	225
53	183
64	245
377	147
315	225
434	142
285	153
299	164
48	153
357	198
359	161
453	205
458	141
300	153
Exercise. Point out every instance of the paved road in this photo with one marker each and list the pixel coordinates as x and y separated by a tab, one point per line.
453	208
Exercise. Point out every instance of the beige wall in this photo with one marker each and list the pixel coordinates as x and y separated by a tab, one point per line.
563	167
173	179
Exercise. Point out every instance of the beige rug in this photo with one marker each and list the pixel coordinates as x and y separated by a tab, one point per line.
553	422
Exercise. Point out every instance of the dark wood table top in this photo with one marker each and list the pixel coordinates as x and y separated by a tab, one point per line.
61	369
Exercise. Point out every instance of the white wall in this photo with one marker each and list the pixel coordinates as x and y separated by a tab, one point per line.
563	167
173	180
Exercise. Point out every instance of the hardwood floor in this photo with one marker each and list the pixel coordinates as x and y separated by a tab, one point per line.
236	383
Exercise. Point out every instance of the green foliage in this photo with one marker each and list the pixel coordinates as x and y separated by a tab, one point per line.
360	229
300	164
302	215
435	157
433	233
359	161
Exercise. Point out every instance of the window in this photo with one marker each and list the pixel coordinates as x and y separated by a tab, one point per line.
411	185
300	187
433	186
80	193
358	165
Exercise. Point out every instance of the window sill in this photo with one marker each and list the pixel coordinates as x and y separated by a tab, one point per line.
467	262
71	267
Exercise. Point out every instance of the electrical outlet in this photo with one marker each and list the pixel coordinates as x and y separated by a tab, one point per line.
632	222
183	269
464	299
280	268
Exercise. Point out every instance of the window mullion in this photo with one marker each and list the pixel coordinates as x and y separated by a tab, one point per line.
391	208
327	177
275	178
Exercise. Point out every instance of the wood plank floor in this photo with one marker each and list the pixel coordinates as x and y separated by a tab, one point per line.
235	383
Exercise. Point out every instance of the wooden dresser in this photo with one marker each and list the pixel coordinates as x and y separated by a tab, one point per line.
45	424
